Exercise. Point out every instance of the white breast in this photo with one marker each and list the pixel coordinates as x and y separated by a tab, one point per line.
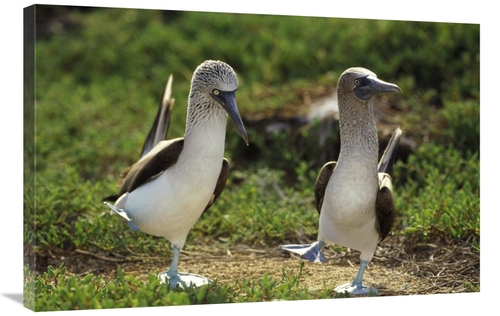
347	216
170	205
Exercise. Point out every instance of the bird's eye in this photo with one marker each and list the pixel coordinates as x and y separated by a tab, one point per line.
356	82
216	92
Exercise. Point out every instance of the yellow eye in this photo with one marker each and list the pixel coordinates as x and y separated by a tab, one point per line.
216	92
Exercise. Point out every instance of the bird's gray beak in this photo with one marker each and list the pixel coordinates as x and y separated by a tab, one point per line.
228	102
370	86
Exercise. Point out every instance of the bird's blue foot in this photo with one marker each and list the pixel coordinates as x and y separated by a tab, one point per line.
123	216
182	279
356	289
173	277
356	286
310	252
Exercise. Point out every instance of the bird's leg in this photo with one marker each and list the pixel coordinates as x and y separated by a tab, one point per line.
184	280
172	274
356	286
358	280
173	270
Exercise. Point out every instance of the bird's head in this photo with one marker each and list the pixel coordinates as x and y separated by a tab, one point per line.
218	80
364	84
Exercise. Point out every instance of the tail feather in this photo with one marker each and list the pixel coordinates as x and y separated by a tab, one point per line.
387	160
158	131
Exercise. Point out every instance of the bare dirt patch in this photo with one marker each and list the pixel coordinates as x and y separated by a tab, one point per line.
397	269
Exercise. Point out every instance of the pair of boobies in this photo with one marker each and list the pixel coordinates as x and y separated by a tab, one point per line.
175	181
354	194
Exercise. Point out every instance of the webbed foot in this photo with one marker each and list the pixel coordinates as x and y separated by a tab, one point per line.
356	289
123	215
310	252
183	279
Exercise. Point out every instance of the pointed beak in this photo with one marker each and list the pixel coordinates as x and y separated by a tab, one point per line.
371	86
228	102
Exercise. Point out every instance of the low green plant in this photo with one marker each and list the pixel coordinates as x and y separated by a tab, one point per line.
58	290
276	211
441	195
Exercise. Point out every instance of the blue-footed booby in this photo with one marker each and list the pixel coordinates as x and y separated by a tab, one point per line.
175	181
354	194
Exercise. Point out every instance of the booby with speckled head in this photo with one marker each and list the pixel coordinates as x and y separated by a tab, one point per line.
175	181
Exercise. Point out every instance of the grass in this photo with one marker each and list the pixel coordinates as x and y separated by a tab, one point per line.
96	93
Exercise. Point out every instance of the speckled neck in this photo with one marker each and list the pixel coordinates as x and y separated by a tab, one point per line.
358	132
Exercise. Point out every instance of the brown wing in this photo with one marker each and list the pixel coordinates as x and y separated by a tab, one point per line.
150	166
221	183
384	206
321	183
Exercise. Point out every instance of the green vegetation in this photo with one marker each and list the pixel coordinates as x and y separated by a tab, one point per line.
92	292
98	80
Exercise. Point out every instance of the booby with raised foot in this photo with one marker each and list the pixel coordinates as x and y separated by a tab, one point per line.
175	181
354	194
